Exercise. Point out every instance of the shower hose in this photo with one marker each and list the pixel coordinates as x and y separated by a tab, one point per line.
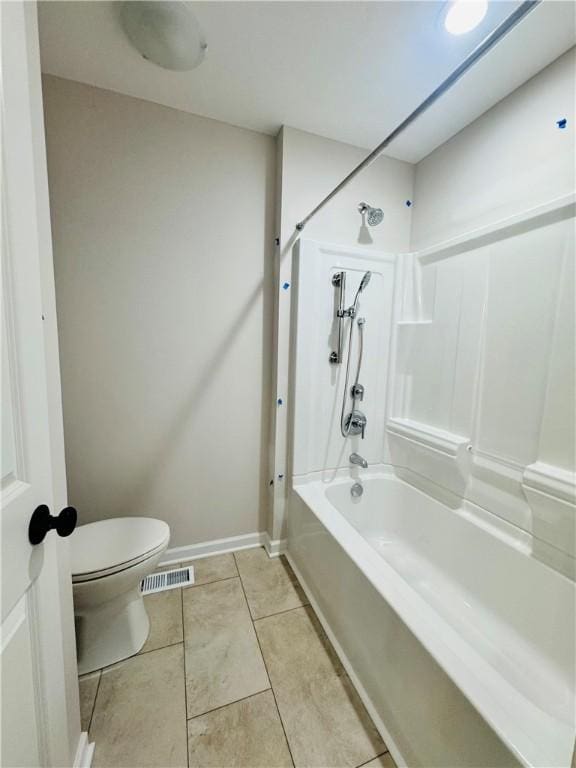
345	428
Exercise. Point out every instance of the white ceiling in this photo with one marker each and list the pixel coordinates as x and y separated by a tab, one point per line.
350	71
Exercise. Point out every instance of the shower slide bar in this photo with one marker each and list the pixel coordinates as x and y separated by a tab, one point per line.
479	52
339	282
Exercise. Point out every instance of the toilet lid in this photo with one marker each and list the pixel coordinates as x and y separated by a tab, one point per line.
107	544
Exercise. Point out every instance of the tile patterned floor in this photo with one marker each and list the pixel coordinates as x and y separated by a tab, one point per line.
236	673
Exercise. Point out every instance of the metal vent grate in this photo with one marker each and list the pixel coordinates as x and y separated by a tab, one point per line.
159	582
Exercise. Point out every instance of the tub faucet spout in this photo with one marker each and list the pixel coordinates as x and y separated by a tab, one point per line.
355	458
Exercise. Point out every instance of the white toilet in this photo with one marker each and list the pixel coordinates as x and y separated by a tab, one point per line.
109	560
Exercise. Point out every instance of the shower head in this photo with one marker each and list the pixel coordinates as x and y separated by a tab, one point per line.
363	283
374	216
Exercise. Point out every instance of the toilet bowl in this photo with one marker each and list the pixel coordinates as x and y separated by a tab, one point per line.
109	560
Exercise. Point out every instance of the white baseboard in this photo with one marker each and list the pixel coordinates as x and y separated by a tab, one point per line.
274	547
84	752
216	547
377	720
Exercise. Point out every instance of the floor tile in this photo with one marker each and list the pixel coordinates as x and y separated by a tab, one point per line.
384	761
165	614
269	583
140	713
247	734
325	721
88	685
223	659
215	568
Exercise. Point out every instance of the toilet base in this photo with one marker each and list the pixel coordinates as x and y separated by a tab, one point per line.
111	632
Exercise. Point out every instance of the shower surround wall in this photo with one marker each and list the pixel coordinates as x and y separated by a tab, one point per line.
318	443
486	338
309	167
483	393
509	160
512	158
163	244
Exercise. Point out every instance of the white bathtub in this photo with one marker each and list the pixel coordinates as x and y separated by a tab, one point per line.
461	644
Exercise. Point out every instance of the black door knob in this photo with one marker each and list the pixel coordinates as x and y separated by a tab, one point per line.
42	521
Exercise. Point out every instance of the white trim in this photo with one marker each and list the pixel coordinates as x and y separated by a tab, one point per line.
274	547
84	751
554	210
372	711
216	547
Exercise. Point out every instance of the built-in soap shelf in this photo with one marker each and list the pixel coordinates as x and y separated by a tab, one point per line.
431	437
437	454
551	494
552	480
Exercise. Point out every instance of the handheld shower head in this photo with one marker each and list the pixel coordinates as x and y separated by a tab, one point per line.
363	283
374	216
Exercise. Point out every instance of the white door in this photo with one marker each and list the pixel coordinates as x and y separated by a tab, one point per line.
40	718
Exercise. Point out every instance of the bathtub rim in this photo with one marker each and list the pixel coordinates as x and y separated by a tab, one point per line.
516	721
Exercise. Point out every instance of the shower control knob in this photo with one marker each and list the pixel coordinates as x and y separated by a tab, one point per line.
356	423
42	521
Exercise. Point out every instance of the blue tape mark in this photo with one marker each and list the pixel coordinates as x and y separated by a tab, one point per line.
408	203
562	123
286	286
280	477
279	401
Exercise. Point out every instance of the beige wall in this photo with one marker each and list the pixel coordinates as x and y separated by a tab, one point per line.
163	234
512	158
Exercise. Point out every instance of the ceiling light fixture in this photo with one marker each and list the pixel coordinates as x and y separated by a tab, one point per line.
166	33
464	15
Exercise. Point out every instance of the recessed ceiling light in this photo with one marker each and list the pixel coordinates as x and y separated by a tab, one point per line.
464	15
